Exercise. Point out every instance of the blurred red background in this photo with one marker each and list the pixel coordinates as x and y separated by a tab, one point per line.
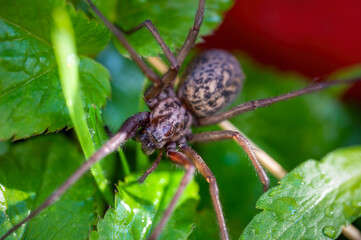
313	37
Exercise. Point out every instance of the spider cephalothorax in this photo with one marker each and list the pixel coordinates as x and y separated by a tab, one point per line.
169	121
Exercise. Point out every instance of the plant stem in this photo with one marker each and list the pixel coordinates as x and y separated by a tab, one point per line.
68	61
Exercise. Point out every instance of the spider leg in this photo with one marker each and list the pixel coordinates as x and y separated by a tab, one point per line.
152	168
183	160
126	131
169	77
242	141
252	105
120	36
193	33
213	187
153	30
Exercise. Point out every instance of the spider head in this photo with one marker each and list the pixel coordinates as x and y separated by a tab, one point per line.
148	147
161	130
154	137
169	121
156	134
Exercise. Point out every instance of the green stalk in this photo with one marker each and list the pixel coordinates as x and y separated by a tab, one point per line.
124	162
67	59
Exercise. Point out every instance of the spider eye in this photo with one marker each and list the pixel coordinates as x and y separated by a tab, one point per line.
157	138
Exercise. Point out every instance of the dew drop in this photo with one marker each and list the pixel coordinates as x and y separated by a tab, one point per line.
92	132
71	60
329	212
329	231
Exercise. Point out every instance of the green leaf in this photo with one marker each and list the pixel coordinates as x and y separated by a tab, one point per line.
108	8
29	173
173	20
139	206
91	36
313	201
31	101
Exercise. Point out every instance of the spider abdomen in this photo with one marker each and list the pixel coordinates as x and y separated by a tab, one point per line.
211	82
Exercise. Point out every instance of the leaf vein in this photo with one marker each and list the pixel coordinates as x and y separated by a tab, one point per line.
25	30
27	82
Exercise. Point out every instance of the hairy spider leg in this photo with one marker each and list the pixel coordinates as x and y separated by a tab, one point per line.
169	77
213	187
151	75
126	131
193	33
171	74
148	24
252	105
183	160
152	168
242	141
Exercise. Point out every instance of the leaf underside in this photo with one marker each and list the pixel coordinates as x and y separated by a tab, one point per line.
313	201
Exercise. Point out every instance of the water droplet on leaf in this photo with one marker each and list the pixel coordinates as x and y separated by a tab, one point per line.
329	231
329	212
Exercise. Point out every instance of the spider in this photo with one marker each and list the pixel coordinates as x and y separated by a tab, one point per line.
210	83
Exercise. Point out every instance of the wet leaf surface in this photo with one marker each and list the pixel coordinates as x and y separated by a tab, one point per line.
313	201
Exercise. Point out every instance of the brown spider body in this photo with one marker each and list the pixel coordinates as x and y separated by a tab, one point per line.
211	82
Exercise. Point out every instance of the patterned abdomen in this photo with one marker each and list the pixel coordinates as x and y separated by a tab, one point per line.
211	82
